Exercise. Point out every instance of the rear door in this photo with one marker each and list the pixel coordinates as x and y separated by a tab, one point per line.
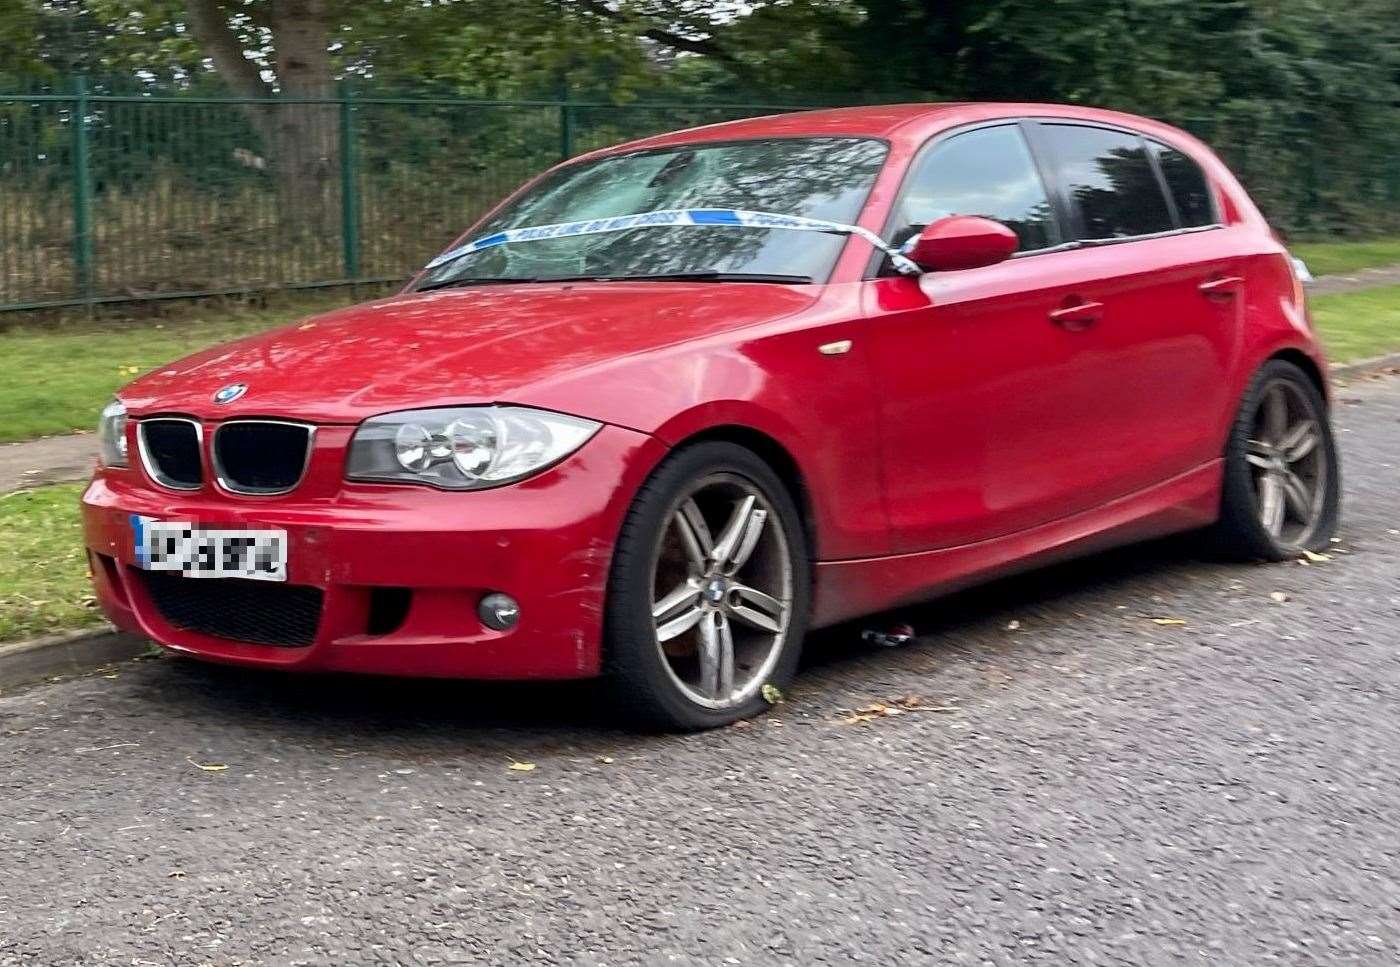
1146	378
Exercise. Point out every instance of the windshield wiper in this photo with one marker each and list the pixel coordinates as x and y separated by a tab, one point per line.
699	277
455	283
658	277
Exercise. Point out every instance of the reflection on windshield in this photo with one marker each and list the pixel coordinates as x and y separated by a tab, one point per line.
826	178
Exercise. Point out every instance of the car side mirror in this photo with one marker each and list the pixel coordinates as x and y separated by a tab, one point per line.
962	242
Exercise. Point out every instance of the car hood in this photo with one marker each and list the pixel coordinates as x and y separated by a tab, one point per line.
474	345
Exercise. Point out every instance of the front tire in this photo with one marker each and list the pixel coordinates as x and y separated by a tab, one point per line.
709	592
1282	488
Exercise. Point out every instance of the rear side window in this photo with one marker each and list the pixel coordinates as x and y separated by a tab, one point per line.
1110	179
987	172
1189	188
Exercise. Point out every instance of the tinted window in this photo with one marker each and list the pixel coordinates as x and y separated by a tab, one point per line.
988	172
825	178
1110	178
1188	186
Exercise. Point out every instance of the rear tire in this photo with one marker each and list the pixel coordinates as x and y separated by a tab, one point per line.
709	592
1282	488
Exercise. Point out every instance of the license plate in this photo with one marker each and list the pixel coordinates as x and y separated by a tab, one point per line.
210	552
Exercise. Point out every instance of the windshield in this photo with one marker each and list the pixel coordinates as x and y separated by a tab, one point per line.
823	178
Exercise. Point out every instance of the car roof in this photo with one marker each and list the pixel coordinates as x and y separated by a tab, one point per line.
891	122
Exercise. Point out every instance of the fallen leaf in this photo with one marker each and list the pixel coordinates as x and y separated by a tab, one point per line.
1316	558
606	759
521	767
212	767
1168	621
106	748
871	712
898	706
772	694
1278	596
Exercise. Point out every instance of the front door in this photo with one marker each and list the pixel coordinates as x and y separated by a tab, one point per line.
979	431
1085	369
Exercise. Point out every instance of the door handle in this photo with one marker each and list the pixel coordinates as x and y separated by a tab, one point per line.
1221	288
1080	315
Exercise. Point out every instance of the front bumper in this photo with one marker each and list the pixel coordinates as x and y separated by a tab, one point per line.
546	541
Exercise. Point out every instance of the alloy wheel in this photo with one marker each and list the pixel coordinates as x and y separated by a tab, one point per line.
722	586
1288	464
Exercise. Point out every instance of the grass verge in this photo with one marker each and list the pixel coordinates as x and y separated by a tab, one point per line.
55	376
43	570
1343	258
1359	325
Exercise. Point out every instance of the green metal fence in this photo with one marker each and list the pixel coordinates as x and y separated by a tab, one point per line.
108	196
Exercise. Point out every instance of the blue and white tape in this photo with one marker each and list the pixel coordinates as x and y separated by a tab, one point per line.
676	218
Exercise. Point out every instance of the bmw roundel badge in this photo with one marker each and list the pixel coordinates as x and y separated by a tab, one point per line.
230	392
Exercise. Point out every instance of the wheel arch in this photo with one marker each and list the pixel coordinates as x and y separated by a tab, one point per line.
779	458
1310	368
1289	352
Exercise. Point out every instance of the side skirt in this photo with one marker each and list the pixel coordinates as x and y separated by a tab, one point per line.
849	589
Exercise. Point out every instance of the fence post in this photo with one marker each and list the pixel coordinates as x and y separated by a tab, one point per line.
349	184
566	130
1313	183
1393	171
82	191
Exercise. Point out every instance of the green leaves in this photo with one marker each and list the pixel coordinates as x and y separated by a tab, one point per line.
1299	95
1165	57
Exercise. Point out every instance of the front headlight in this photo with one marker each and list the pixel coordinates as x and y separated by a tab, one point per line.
111	435
467	448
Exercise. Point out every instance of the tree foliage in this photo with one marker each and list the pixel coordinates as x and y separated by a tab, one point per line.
1253	71
1165	56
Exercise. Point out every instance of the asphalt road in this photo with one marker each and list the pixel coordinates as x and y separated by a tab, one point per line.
1095	787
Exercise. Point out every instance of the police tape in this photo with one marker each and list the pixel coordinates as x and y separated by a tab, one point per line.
676	218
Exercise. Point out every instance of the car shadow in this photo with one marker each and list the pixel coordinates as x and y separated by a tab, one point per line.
405	713
377	703
1007	598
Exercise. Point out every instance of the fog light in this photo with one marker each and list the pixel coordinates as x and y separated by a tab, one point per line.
499	611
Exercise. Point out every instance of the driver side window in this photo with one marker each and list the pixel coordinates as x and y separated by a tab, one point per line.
987	172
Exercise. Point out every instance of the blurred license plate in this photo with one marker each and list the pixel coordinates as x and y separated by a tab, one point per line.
209	552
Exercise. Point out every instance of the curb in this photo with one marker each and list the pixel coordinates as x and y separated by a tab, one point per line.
1366	367
72	653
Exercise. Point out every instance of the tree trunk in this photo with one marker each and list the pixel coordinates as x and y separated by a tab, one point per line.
209	24
306	137
300	141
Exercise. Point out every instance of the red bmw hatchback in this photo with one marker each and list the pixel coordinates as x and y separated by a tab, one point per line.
675	403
